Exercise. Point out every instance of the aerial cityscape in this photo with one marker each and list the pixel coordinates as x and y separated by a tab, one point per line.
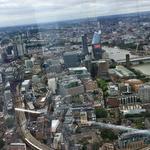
81	84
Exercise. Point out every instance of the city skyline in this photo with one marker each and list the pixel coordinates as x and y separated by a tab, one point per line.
82	82
19	12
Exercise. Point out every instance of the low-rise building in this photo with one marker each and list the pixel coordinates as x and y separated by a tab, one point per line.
121	72
25	85
54	125
17	146
80	72
41	128
83	117
71	85
135	84
134	140
107	146
53	66
52	85
58	140
113	90
90	85
112	102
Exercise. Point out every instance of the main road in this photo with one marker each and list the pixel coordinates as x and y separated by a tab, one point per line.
32	142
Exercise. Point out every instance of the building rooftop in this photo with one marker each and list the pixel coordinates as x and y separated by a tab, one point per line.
25	82
133	111
54	125
99	61
121	71
77	68
72	53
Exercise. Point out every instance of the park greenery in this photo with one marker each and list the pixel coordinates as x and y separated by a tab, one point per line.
101	113
10	122
108	134
102	84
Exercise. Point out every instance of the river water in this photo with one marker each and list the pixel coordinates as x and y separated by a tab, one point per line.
145	68
119	54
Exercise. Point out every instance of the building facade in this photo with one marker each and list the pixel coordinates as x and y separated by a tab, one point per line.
144	93
85	44
72	59
96	46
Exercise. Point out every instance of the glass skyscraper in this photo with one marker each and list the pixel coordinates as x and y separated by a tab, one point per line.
96	46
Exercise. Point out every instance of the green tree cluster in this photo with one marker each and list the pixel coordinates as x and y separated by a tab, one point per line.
102	84
108	134
101	113
10	122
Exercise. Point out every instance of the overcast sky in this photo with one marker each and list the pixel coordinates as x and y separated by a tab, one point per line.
13	12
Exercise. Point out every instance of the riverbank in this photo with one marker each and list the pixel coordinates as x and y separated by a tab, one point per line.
144	68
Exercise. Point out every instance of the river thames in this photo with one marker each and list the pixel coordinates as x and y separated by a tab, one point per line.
118	54
144	68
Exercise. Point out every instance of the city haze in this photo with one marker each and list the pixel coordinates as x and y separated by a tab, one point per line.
19	12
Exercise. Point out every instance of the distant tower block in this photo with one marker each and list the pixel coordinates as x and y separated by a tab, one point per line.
85	44
127	60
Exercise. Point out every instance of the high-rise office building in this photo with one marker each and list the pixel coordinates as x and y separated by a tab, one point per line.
96	46
20	50
20	46
100	69
72	59
144	93
85	44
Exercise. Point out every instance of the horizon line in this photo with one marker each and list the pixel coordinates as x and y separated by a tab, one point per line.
67	20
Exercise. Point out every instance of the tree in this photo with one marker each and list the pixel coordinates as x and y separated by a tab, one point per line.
108	134
102	84
10	122
139	124
2	143
100	113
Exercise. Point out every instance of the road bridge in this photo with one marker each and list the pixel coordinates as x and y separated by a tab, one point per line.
136	60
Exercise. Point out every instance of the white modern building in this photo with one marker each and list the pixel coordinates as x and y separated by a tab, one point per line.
52	85
144	93
25	85
54	125
58	140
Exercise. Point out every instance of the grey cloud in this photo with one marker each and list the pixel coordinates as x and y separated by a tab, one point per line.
26	11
